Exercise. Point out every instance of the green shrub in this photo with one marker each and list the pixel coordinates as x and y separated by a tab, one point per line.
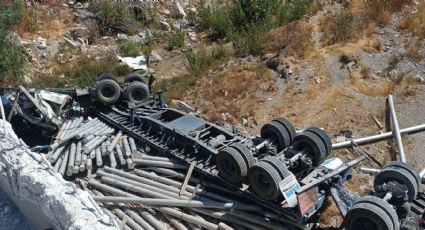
342	29
129	48
12	56
201	60
176	87
244	22
218	20
248	41
115	17
175	39
84	71
194	60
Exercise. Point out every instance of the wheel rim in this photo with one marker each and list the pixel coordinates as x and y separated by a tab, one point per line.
137	95
263	181
229	168
108	91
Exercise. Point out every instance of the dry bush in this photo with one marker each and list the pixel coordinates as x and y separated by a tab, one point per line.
369	86
292	39
414	50
416	22
341	27
379	12
234	92
360	18
365	73
409	85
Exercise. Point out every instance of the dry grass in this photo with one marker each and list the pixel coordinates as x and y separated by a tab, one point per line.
37	20
360	19
379	12
235	92
414	51
409	85
416	22
369	86
292	39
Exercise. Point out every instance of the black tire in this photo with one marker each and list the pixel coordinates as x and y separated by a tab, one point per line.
245	153
288	126
390	210
276	130
400	175
324	137
278	165
311	143
232	165
264	180
107	76
134	77
137	92
371	213
107	91
409	168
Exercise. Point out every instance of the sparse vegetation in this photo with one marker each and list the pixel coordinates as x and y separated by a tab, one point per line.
342	29
416	22
115	17
414	51
129	48
199	62
12	56
235	95
30	20
246	21
175	40
293	39
381	11
202	60
43	80
84	71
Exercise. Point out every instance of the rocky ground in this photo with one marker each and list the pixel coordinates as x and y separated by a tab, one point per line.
340	87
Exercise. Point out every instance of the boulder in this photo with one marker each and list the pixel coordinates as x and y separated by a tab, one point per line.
155	57
177	10
192	36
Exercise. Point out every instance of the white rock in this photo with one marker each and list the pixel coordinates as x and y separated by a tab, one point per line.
41	43
340	139
419	78
244	122
155	57
178	10
165	26
192	36
78	5
27	79
122	36
176	26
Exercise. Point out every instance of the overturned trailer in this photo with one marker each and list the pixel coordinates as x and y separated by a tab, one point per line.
265	169
279	178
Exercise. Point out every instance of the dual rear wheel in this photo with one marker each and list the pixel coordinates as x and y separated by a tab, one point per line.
375	213
108	91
